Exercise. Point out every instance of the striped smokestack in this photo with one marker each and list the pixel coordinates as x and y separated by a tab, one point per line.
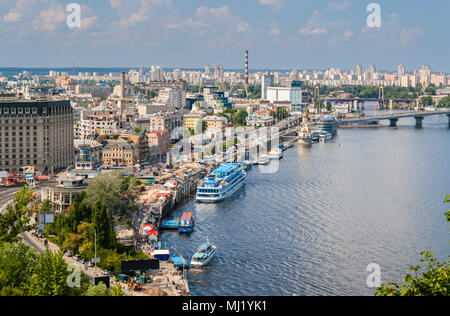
122	85
246	67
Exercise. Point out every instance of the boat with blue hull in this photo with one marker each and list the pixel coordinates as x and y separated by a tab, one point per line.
221	183
186	223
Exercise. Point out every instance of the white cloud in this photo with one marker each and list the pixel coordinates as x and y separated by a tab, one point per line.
12	17
274	32
339	6
392	33
277	4
49	19
314	26
203	12
320	32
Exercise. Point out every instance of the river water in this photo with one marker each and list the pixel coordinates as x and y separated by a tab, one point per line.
313	227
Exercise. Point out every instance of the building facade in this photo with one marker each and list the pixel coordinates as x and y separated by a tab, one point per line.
36	133
120	153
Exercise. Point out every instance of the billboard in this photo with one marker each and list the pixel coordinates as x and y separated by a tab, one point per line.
46	218
103	278
139	265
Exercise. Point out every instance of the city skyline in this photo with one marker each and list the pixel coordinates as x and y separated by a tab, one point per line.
279	34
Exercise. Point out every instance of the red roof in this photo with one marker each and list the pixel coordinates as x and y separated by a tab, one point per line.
186	215
152	232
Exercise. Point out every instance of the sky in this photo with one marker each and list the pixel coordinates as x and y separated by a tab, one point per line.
279	34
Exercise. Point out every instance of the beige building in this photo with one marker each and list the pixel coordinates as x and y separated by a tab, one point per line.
36	133
219	122
120	153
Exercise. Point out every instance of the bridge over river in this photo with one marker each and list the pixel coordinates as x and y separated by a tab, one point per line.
394	117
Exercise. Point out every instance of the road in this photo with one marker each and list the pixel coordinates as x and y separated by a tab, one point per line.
6	196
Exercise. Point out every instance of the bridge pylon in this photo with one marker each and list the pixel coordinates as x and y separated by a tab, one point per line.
381	97
419	121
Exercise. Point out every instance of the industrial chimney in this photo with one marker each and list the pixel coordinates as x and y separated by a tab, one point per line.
122	85
246	67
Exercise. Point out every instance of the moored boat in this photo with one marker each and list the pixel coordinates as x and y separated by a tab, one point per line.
186	223
263	160
275	153
221	183
325	136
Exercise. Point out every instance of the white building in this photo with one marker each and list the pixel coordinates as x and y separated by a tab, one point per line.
290	94
172	98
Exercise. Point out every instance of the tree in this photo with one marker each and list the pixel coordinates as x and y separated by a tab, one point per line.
329	106
445	102
115	190
101	222
16	219
97	290
116	290
432	280
50	275
426	101
17	263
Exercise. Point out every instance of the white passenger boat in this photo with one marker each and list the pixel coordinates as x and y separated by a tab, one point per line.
275	153
325	137
263	160
221	183
204	255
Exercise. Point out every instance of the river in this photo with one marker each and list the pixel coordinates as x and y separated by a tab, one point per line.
312	228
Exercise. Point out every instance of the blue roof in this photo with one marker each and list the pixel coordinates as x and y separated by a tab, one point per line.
225	168
178	261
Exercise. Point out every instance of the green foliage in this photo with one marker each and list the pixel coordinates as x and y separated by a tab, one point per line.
116	290
329	106
445	102
17	263
46	206
16	219
116	191
371	92
430	90
235	116
151	94
426	101
50	275
137	130
97	290
432	280
102	223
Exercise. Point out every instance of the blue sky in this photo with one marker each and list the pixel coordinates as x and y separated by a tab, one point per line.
280	34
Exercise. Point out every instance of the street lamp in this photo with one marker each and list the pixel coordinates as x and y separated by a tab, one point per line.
95	246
